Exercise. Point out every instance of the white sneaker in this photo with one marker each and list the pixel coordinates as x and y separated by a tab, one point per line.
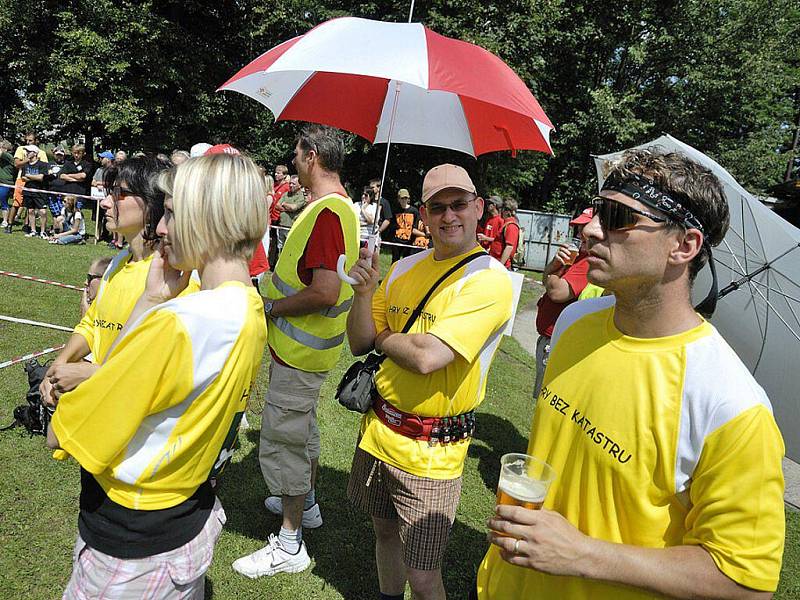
31	234
312	517
272	559
4	223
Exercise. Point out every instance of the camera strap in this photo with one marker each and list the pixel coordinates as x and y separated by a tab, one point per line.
418	310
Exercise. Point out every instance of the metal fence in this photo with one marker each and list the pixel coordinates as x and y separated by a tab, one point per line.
541	235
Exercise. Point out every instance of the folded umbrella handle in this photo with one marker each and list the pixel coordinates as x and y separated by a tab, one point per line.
373	243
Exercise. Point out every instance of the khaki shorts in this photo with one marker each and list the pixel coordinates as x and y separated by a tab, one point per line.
289	433
425	508
178	574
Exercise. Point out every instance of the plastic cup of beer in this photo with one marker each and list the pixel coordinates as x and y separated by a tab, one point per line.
573	248
524	481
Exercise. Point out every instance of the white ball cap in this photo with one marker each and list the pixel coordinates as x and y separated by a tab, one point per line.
199	149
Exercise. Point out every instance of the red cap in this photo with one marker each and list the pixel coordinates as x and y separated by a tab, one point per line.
222	149
583	218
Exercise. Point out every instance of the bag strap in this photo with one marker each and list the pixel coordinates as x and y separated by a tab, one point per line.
7	427
418	310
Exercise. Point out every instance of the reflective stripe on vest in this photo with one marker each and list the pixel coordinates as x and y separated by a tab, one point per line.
312	342
305	338
287	290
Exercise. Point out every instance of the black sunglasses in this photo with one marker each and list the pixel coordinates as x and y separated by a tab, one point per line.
90	277
458	206
616	215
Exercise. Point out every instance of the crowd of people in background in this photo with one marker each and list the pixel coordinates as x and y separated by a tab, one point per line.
35	192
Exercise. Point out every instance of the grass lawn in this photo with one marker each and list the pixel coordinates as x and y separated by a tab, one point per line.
39	496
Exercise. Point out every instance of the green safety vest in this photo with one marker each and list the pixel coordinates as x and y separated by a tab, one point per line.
312	342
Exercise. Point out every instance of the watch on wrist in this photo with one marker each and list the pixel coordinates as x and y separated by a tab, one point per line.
268	309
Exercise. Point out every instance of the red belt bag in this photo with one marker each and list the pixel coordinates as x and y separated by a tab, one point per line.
434	430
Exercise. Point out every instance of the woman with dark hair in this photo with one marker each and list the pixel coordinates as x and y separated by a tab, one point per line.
366	212
183	367
134	205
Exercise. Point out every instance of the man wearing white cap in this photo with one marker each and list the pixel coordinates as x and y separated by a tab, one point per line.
406	471
34	173
564	279
20	160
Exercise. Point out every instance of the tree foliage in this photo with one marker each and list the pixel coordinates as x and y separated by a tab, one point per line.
721	75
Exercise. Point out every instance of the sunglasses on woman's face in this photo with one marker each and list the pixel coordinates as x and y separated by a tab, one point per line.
615	215
90	277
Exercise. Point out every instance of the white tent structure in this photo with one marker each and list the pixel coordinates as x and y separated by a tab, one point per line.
758	311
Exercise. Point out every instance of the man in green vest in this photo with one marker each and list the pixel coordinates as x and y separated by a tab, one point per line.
306	310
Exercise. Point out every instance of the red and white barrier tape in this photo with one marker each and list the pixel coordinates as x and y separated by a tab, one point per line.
48	192
37	280
19	359
37	323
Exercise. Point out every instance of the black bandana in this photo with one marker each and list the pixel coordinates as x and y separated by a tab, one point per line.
646	191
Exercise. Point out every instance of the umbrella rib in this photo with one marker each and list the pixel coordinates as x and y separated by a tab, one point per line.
779	290
761	329
741	238
766	324
758	231
777	314
780	293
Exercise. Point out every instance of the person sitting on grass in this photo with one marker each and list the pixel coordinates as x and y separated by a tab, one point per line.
133	206
70	224
183	368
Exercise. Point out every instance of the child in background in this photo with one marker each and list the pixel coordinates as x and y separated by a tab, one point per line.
70	223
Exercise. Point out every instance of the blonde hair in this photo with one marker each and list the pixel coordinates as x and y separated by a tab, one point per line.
73	199
218	206
270	183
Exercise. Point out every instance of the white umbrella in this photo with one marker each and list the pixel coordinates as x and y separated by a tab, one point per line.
758	307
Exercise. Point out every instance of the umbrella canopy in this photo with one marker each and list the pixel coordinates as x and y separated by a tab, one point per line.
759	313
360	75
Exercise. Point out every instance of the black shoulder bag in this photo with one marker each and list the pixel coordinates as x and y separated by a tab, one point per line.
35	415
356	388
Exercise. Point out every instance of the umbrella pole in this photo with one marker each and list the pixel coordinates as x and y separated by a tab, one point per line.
411	11
376	223
374	237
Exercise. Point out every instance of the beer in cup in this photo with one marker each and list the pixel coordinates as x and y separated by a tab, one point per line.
573	247
524	481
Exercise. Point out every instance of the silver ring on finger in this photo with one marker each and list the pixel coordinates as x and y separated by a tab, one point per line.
516	546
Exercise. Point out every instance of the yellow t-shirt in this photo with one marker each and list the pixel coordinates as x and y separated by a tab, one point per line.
656	443
122	284
468	312
161	415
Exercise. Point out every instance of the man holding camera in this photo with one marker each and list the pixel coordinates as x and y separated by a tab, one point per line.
406	471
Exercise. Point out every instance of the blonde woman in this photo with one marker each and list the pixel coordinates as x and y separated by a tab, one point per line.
159	418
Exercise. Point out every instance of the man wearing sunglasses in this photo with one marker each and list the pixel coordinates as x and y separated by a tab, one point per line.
406	471
668	457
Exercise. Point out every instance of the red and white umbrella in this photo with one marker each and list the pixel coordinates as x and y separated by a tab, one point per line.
398	83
